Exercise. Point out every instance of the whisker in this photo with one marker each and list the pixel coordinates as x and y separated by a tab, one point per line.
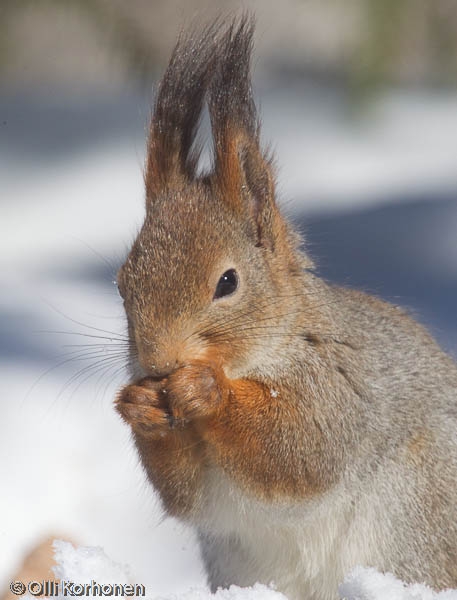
116	374
89	335
224	323
109	376
80	323
119	350
100	344
299	311
268	302
87	353
90	353
91	370
242	324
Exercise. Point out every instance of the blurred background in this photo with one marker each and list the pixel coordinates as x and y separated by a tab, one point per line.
359	101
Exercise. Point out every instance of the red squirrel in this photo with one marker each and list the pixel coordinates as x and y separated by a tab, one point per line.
300	427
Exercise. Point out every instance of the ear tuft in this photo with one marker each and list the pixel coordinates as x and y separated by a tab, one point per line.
172	154
243	172
231	103
213	65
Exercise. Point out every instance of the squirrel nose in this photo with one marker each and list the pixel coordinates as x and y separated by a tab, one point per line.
156	360
159	371
158	357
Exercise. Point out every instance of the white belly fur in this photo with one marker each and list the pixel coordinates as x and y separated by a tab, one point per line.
303	550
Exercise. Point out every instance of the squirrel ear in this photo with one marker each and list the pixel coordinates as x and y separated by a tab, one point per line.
242	172
256	191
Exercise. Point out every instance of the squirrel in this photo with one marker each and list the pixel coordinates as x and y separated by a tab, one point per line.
301	428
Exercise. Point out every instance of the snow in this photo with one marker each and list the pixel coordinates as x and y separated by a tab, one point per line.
87	564
369	584
256	592
69	468
84	565
332	160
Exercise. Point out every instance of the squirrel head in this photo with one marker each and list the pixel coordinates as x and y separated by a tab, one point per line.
215	267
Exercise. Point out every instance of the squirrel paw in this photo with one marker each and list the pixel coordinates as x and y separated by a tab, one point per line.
143	406
197	390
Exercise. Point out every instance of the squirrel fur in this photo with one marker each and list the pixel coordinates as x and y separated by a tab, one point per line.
300	427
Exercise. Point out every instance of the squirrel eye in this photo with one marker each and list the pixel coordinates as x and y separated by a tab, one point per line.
227	284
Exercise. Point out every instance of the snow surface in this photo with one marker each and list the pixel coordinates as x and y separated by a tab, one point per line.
68	465
86	564
369	584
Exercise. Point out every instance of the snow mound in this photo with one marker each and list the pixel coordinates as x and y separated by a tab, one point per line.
86	564
369	584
